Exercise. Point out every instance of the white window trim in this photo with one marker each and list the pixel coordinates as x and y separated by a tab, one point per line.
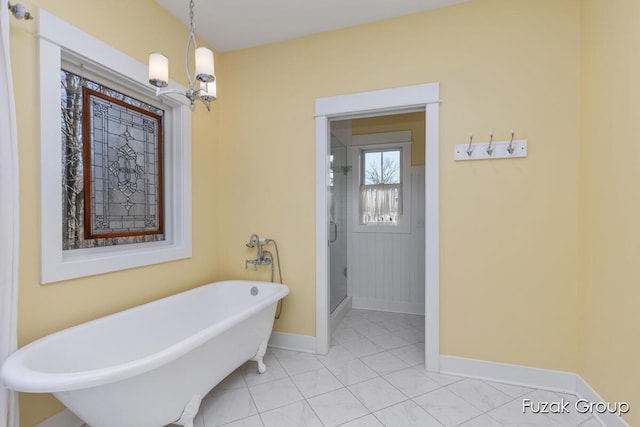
382	141
60	40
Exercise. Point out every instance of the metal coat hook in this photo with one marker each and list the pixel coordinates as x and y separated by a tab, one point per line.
19	11
511	148
490	148
469	149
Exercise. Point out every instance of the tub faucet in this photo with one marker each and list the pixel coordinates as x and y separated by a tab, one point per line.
254	241
263	258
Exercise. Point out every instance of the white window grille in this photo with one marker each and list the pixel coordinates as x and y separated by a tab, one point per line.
382	184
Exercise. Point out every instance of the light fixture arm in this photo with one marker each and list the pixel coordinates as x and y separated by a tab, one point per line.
191	39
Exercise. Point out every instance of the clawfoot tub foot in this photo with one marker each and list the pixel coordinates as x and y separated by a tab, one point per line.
189	412
259	357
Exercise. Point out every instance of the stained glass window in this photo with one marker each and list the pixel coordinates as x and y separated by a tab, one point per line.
112	166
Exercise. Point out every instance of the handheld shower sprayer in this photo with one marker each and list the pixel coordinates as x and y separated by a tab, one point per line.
264	257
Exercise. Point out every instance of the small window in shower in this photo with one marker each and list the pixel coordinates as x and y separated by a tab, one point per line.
381	185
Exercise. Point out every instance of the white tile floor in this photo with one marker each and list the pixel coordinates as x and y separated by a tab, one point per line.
373	376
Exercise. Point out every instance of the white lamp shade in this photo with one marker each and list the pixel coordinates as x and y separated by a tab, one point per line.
204	65
209	90
158	70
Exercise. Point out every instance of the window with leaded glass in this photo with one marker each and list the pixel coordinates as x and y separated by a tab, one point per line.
112	158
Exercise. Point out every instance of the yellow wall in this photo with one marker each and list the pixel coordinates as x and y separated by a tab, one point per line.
508	228
413	122
509	232
609	202
143	28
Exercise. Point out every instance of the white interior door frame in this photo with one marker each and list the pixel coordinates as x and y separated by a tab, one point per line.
425	97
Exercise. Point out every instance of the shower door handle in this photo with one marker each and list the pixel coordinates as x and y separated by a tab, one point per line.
335	231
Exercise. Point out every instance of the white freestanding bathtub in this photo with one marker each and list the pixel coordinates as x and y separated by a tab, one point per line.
151	365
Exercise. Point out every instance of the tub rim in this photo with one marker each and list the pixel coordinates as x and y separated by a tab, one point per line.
16	375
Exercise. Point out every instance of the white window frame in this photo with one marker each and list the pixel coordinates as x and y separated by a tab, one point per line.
382	141
61	42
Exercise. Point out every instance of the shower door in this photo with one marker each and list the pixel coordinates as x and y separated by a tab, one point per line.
338	224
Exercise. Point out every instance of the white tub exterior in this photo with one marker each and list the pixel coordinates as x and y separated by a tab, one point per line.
141	367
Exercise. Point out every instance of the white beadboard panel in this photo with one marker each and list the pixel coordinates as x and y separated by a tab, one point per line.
386	270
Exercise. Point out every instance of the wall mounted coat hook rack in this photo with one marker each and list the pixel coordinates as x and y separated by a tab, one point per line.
507	149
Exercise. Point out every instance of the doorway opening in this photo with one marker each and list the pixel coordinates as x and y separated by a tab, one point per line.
377	235
420	98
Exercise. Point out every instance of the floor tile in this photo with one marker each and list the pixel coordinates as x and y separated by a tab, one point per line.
406	414
572	418
352	372
316	382
345	334
253	421
442	379
510	390
298	414
362	347
412	354
411	382
337	355
511	414
283	354
233	381
374	376
394	324
302	362
447	407
275	394
377	394
416	321
482	421
225	406
384	363
390	340
274	372
479	394
367	421
337	407
591	422
370	329
411	335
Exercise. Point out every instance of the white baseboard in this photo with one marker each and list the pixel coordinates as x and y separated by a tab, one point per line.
545	379
305	343
65	418
585	391
381	305
525	376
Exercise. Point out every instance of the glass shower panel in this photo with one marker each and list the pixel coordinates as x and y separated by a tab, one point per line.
338	224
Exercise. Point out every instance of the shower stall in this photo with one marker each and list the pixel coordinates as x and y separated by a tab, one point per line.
338	174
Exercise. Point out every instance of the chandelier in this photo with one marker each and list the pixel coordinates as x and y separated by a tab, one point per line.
202	84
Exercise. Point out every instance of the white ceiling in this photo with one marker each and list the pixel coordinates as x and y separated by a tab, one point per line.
236	24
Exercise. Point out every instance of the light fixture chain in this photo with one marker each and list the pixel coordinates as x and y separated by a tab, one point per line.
192	26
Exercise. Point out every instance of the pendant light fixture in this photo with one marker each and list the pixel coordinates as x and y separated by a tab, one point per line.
202	84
